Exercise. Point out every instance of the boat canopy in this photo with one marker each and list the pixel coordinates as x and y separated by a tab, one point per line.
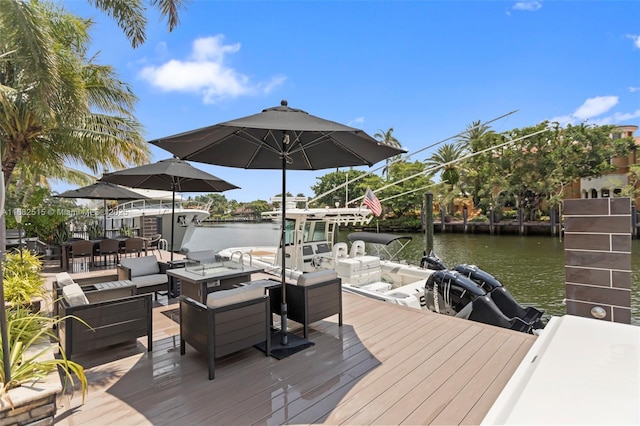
377	238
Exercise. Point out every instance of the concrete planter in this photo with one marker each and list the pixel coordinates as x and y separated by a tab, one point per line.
32	403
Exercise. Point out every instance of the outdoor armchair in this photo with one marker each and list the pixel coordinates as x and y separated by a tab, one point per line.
315	296
231	320
146	272
97	319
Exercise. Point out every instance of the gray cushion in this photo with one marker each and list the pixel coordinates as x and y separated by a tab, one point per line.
234	295
74	295
145	265
311	278
63	279
147	280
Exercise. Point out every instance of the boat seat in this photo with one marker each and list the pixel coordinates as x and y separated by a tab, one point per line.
340	251
357	249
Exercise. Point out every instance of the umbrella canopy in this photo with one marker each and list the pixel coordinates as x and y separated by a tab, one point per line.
264	140
171	174
279	138
102	191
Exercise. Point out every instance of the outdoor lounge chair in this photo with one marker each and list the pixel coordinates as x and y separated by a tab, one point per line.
232	320
317	295
146	272
110	318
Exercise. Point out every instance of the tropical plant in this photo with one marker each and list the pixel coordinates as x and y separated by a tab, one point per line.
95	231
387	138
129	15
61	234
126	230
22	278
57	105
30	353
446	161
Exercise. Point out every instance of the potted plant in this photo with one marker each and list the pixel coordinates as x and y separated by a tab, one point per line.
34	368
23	282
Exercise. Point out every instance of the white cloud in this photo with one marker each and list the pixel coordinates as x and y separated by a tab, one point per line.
206	73
636	40
593	107
591	110
634	89
530	6
356	122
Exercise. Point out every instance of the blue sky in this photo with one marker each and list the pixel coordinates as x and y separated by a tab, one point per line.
425	68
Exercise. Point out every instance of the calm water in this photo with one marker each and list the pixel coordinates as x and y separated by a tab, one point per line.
532	268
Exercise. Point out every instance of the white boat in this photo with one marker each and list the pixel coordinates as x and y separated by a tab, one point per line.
466	292
154	214
310	235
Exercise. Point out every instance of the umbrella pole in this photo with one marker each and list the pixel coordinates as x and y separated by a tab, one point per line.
105	220
173	218
283	306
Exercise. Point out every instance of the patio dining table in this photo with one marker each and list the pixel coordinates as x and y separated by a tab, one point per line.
66	249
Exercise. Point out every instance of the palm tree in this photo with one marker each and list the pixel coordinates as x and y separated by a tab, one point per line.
477	137
129	15
473	137
57	106
445	160
387	138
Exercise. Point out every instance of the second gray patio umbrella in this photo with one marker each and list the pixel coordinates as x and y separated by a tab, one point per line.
102	191
170	175
279	138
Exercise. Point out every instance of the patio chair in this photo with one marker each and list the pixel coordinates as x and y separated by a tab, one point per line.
231	320
154	244
81	254
146	272
316	295
109	248
109	320
133	246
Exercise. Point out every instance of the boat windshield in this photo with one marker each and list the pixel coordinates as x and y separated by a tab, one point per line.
315	231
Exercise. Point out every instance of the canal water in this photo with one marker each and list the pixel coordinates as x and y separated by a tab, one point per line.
530	267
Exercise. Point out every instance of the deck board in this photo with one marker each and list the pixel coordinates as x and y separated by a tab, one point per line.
386	365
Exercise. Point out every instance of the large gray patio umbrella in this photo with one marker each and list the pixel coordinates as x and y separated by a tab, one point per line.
102	191
171	175
279	138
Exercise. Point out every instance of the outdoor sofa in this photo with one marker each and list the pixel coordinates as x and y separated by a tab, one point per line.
231	320
100	315
315	296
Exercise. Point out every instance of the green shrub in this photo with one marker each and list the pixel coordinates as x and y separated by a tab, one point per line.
479	218
22	277
510	214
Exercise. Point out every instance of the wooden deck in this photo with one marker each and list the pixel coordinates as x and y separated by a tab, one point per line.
386	365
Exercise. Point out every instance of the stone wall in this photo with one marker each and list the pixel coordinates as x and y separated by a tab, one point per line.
597	241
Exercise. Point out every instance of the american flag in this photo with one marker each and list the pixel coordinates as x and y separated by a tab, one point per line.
371	201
